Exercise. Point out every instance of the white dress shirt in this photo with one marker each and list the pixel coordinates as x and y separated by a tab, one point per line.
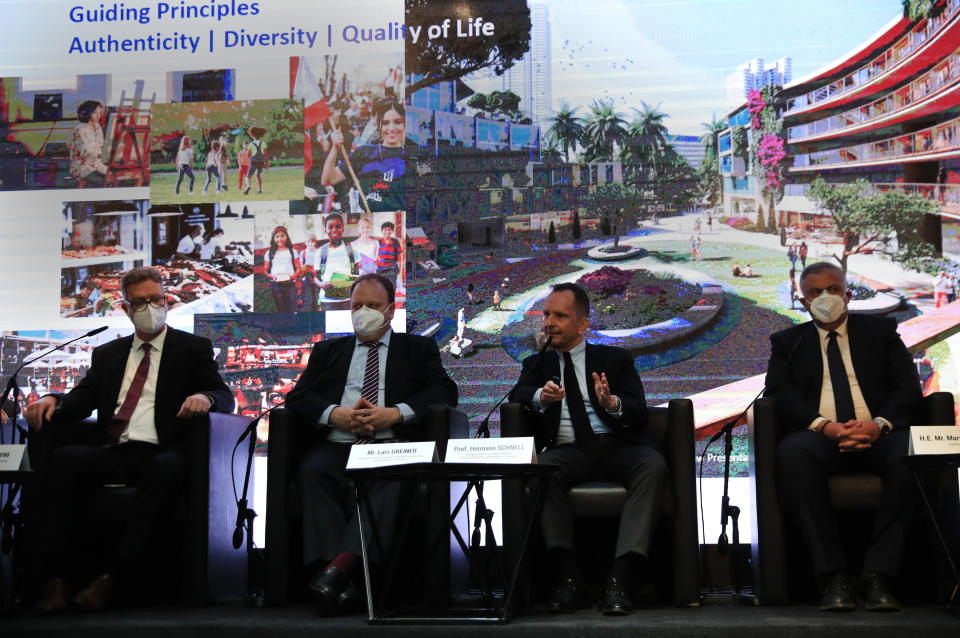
565	433
828	408
142	425
354	385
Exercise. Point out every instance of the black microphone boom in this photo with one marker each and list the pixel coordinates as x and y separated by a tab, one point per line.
12	381
726	509
732	423
243	512
483	430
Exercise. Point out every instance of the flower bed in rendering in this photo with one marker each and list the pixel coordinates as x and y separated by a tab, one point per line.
628	298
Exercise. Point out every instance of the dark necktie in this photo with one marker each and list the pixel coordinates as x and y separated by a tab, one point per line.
371	381
842	398
582	429
122	417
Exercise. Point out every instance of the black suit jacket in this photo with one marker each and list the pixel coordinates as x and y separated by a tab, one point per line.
186	367
883	366
415	376
622	376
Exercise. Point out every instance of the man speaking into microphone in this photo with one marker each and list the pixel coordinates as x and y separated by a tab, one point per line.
146	389
589	419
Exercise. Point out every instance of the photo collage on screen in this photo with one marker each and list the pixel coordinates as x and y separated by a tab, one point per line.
258	213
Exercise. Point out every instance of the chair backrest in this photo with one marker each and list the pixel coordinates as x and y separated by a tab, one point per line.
657	426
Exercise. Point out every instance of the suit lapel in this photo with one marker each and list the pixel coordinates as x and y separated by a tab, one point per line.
398	352
591	365
343	351
170	354
809	358
860	353
118	366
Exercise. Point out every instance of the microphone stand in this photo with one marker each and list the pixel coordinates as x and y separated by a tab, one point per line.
9	522
728	511
246	514
481	512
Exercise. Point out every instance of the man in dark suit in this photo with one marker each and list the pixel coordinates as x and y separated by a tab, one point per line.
373	387
592	427
846	389
147	389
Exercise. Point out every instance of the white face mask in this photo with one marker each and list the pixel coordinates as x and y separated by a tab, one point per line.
827	308
367	321
150	319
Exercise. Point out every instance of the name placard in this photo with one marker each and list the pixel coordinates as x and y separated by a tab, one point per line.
385	454
507	450
13	458
934	439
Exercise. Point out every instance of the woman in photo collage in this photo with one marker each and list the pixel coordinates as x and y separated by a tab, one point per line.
86	148
380	167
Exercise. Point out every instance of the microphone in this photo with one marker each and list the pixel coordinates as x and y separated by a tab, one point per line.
483	430
731	424
725	508
12	381
242	510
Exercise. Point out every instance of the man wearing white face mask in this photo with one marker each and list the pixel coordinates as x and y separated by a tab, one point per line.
146	388
374	386
846	390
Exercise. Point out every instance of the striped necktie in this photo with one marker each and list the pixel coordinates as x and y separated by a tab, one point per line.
371	381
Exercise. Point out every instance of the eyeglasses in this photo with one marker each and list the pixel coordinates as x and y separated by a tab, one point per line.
137	305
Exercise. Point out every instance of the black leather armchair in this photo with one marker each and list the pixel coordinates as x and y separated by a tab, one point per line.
209	567
284	578
673	429
848	491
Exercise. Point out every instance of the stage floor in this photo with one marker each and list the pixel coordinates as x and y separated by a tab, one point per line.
293	622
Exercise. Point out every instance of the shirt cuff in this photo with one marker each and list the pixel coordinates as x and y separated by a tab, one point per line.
536	403
406	411
325	417
817	424
618	411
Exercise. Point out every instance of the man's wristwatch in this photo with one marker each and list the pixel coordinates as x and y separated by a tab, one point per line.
883	425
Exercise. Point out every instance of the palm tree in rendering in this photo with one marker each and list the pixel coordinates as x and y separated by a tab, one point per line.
646	147
710	137
566	130
710	184
604	132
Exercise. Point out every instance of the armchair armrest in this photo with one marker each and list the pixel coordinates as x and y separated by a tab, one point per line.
763	432
443	423
281	470
680	454
513	420
937	409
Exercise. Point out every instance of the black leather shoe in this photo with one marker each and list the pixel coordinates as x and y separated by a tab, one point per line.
837	595
615	601
350	600
55	597
565	597
327	586
877	595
